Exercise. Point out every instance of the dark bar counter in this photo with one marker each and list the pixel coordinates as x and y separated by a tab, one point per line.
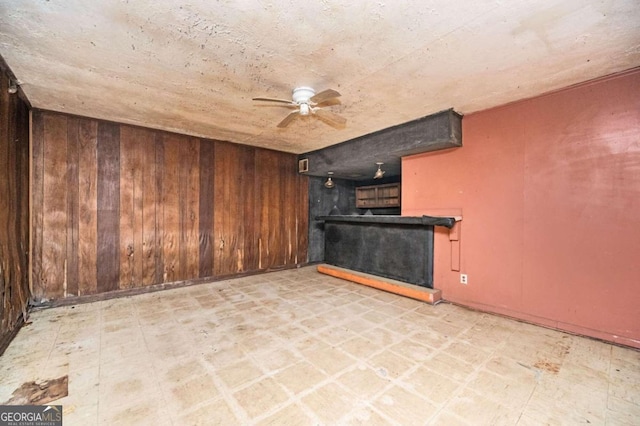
396	247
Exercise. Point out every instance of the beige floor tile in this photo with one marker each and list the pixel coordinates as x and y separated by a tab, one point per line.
298	347
626	369
124	391
405	407
289	333
358	325
300	377
292	415
390	365
314	323
216	412
360	348
413	350
620	411
382	337
446	418
560	414
430	338
431	385
627	390
142	412
183	370
239	373
260	342
475	409
366	416
261	397
81	414
330	402
555	399
223	352
508	367
376	317
328	359
336	334
363	382
275	360
466	352
186	396
451	367
307	343
513	392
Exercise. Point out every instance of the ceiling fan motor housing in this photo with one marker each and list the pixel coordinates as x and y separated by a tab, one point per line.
307	100
302	95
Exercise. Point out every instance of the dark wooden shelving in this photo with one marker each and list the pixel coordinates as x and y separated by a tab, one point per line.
378	196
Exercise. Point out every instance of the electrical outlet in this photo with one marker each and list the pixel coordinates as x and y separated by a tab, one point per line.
463	279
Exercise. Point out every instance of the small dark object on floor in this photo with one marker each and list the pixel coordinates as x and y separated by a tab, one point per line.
40	393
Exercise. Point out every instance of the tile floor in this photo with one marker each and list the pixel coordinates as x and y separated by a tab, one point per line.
297	347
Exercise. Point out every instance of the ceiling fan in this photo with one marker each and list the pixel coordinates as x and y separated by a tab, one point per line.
306	102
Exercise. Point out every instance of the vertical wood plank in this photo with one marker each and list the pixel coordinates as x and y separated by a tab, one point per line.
127	221
261	214
242	224
228	211
14	209
138	156
249	208
220	211
133	156
302	219
205	208
289	199
171	208
108	191
87	206
159	208
142	207
37	189
54	235
134	148
23	140
149	209
189	247
233	197
271	207
72	206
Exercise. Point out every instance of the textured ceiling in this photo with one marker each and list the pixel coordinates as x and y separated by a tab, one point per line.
193	66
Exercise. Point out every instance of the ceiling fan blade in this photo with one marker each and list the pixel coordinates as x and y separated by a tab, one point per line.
288	119
325	95
332	119
274	100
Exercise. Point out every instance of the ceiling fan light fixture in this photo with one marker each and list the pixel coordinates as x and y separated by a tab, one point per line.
379	172
302	95
305	102
329	183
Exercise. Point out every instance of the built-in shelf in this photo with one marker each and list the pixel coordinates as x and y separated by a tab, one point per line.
378	196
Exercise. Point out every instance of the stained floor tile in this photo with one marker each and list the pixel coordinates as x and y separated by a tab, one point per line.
297	347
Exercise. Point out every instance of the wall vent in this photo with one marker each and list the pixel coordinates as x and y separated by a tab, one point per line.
303	165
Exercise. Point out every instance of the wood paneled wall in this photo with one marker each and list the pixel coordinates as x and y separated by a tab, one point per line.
14	209
120	207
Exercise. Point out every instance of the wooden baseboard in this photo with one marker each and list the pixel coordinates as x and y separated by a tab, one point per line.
428	295
8	337
114	294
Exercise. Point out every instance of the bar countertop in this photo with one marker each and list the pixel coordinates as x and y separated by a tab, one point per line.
447	222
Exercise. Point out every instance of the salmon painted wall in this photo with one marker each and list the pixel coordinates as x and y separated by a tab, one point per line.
549	193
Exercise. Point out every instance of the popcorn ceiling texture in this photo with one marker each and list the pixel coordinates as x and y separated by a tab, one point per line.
193	67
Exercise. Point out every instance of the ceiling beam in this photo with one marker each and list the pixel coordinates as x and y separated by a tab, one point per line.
356	159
